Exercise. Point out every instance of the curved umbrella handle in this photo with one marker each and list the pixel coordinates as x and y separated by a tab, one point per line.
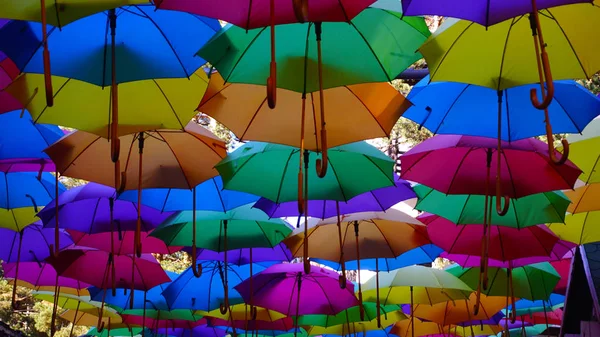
549	85
565	156
253	312
196	267
502	210
324	162
300	10
499	209
224	306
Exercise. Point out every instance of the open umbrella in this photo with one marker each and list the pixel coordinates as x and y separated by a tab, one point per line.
463	209
242	256
350	328
198	331
392	312
123	245
308	60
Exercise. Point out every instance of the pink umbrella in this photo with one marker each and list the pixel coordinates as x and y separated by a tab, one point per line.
123	242
563	267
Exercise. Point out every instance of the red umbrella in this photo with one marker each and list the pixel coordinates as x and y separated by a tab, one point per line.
124	242
563	267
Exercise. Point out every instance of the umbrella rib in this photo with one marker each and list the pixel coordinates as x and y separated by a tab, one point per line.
570	44
166	199
386	133
432	75
372	51
450	108
386	240
501	70
337	180
207	99
462	210
558	171
392	181
220	195
169	103
507	115
579	130
7	191
253	117
243	53
187	180
55	94
457	169
94	216
287	162
166	40
344	10
78	155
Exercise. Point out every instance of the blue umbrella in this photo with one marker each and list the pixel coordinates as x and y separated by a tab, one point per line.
206	292
525	306
199	331
210	196
27	189
244	256
424	254
458	108
29	245
23	143
150	44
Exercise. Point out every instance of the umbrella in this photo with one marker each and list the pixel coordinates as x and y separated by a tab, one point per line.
390	51
374	106
578	228
531	282
463	209
282	324
361	235
486	14
210	196
23	143
42	276
417	327
198	331
243	256
450	108
206	292
526	307
563	267
351	328
24	193
378	200
241	312
123	245
286	289
392	314
171	160
584	198
584	152
141	28
505	57
420	255
505	244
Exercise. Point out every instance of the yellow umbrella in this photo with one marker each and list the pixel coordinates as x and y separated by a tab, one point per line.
585	154
416	328
357	327
240	312
89	317
580	228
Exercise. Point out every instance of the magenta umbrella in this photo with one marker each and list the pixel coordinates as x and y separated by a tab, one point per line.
123	242
505	243
285	288
458	165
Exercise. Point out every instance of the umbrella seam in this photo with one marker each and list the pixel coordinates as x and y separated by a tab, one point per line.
570	44
262	30
387	134
253	117
372	51
432	75
169	103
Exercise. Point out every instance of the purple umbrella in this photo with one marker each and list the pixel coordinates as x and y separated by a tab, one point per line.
483	12
40	274
244	256
285	288
199	331
87	209
377	200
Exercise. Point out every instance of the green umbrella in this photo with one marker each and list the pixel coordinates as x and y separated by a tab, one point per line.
352	315
377	45
531	210
527	331
241	227
272	171
533	282
115	332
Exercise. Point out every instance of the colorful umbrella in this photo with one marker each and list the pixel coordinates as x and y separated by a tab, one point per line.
465	168
123	245
206	292
455	108
392	313
285	288
375	106
486	14
198	331
463	209
23	143
243	256
584	199
210	196
389	50
351	328
378	200
584	152
43	276
578	228
505	243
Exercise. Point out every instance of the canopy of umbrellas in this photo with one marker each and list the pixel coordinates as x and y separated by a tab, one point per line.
129	78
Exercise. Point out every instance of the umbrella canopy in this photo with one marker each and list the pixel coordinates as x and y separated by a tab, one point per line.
563	267
242	312
456	164
43	275
253	14
374	55
69	301
86	209
23	143
150	44
585	154
392	313
429	286
210	196
242	256
206	292
124	243
198	331
505	243
89	317
485	13
172	158
350	328
578	228
271	171
92	266
384	234
526	307
23	193
584	199
241	107
378	200
155	323
455	312
34	245
67	11
506	54
532	282
245	227
282	324
455	108
463	209
143	105
287	289
420	255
